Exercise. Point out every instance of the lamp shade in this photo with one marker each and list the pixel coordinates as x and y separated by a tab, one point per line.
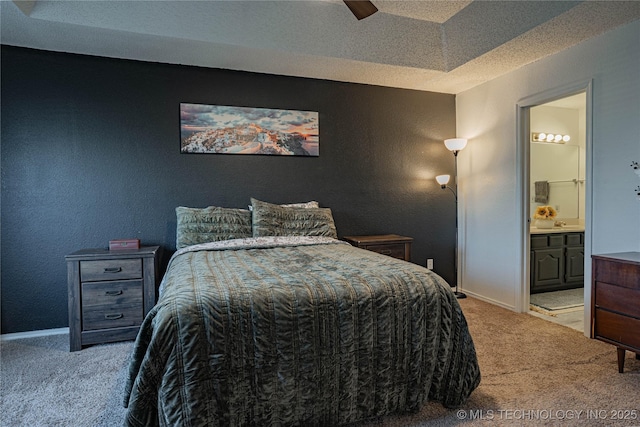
443	179
455	144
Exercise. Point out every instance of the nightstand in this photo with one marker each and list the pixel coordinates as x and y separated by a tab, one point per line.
110	293
387	244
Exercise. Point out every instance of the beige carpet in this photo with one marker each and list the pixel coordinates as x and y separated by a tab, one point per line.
533	373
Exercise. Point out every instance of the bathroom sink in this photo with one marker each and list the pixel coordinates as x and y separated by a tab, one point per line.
557	229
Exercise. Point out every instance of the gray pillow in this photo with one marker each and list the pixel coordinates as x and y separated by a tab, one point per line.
211	224
311	204
275	220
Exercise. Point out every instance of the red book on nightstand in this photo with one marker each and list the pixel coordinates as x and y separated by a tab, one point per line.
122	244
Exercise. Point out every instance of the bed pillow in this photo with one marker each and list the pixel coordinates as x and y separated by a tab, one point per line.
275	220
311	204
211	224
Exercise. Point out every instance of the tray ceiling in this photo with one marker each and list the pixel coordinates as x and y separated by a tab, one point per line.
441	46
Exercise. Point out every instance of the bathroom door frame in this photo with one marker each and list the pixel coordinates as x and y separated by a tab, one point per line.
523	176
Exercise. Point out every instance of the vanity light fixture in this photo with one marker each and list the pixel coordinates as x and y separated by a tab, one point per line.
550	137
454	145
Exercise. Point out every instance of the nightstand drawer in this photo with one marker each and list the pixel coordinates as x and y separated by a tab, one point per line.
110	269
114	317
111	304
393	250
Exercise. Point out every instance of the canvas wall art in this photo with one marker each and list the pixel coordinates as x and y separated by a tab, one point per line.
245	130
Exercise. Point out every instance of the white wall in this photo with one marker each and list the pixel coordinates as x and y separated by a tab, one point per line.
489	193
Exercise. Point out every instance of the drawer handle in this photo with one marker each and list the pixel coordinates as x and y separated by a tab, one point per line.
113	269
113	293
385	252
115	316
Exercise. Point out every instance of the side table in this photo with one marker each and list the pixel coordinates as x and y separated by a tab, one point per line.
387	244
110	293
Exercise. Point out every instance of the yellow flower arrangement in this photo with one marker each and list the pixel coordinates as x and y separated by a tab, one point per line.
545	212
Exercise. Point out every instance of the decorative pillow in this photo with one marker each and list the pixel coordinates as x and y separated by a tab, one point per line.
276	220
211	224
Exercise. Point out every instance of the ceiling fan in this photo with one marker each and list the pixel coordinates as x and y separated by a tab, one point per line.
361	8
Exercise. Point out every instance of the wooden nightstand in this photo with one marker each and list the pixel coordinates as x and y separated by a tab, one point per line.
110	292
387	244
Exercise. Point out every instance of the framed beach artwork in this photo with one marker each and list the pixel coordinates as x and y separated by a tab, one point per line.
221	129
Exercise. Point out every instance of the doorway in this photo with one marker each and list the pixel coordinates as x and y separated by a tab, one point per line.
554	142
556	189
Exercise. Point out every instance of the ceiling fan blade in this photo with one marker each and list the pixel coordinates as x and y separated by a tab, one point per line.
361	8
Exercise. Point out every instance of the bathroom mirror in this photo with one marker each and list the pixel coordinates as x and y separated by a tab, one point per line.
560	161
558	165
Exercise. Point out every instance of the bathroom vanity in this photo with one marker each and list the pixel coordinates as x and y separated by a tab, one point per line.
557	259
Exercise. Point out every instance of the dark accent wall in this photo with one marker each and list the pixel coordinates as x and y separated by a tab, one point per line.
91	152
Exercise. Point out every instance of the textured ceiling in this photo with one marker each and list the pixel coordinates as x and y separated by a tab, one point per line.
442	46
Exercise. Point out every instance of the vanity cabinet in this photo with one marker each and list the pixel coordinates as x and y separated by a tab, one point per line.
557	261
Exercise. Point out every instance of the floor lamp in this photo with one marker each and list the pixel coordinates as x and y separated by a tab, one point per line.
454	145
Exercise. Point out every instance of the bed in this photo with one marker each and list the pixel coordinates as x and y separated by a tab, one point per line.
265	318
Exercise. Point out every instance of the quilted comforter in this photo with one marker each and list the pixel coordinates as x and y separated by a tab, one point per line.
296	331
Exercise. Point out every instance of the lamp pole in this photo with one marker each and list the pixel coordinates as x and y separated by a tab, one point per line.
454	145
458	294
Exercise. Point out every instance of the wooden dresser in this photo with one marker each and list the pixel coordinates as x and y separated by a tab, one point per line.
387	244
110	292
615	302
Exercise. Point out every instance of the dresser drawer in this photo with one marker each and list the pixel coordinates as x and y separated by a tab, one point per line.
618	299
395	250
110	269
111	304
625	275
617	328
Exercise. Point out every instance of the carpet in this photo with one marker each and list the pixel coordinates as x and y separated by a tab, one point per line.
534	372
558	300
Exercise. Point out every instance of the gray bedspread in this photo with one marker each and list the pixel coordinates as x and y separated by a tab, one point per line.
297	333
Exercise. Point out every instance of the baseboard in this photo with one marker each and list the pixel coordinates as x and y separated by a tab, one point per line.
489	300
33	334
